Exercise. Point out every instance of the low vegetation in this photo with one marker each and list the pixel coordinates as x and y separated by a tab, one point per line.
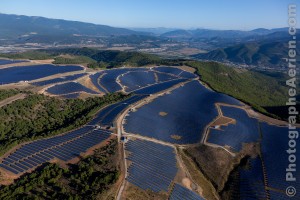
32	55
73	60
4	94
39	116
91	178
215	163
135	193
208	190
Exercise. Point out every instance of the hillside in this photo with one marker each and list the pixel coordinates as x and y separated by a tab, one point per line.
261	54
21	26
208	33
264	91
92	57
93	176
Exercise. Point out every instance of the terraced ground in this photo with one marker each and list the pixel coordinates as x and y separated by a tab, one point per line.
168	108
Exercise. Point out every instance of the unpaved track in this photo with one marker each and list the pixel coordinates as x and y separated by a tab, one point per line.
12	99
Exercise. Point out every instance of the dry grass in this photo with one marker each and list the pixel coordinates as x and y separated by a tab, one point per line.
176	137
135	193
223	121
215	163
208	191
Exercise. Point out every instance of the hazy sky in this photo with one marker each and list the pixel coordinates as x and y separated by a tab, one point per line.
217	14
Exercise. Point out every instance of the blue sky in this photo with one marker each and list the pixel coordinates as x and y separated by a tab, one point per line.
215	14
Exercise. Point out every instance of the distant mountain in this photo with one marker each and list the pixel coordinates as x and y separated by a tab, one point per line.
207	33
13	26
155	31
262	54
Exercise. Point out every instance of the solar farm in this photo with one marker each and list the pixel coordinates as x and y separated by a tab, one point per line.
154	167
165	109
245	130
186	114
64	147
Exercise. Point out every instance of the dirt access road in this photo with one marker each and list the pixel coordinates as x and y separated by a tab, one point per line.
12	99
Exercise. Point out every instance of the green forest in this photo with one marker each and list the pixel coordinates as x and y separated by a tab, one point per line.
39	116
88	179
7	93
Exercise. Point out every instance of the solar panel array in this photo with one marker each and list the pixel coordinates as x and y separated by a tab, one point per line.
137	79
252	184
274	146
58	80
153	165
168	70
162	77
33	72
152	89
70	87
107	115
95	80
108	80
179	193
6	62
188	111
64	147
246	129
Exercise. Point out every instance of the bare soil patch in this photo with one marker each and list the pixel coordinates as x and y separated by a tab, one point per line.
223	121
176	137
163	114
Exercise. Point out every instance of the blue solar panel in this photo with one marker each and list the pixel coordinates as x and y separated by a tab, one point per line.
95	80
179	193
8	168
251	181
28	73
246	129
153	165
274	146
58	80
138	79
69	87
169	70
188	111
7	62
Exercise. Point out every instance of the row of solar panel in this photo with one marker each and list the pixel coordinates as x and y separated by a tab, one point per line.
159	87
107	115
152	178
36	153
95	80
153	165
69	87
180	193
7	62
58	80
133	78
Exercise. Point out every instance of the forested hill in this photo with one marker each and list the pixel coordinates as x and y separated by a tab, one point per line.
261	54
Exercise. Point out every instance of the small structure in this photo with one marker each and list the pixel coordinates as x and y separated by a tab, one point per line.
124	139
